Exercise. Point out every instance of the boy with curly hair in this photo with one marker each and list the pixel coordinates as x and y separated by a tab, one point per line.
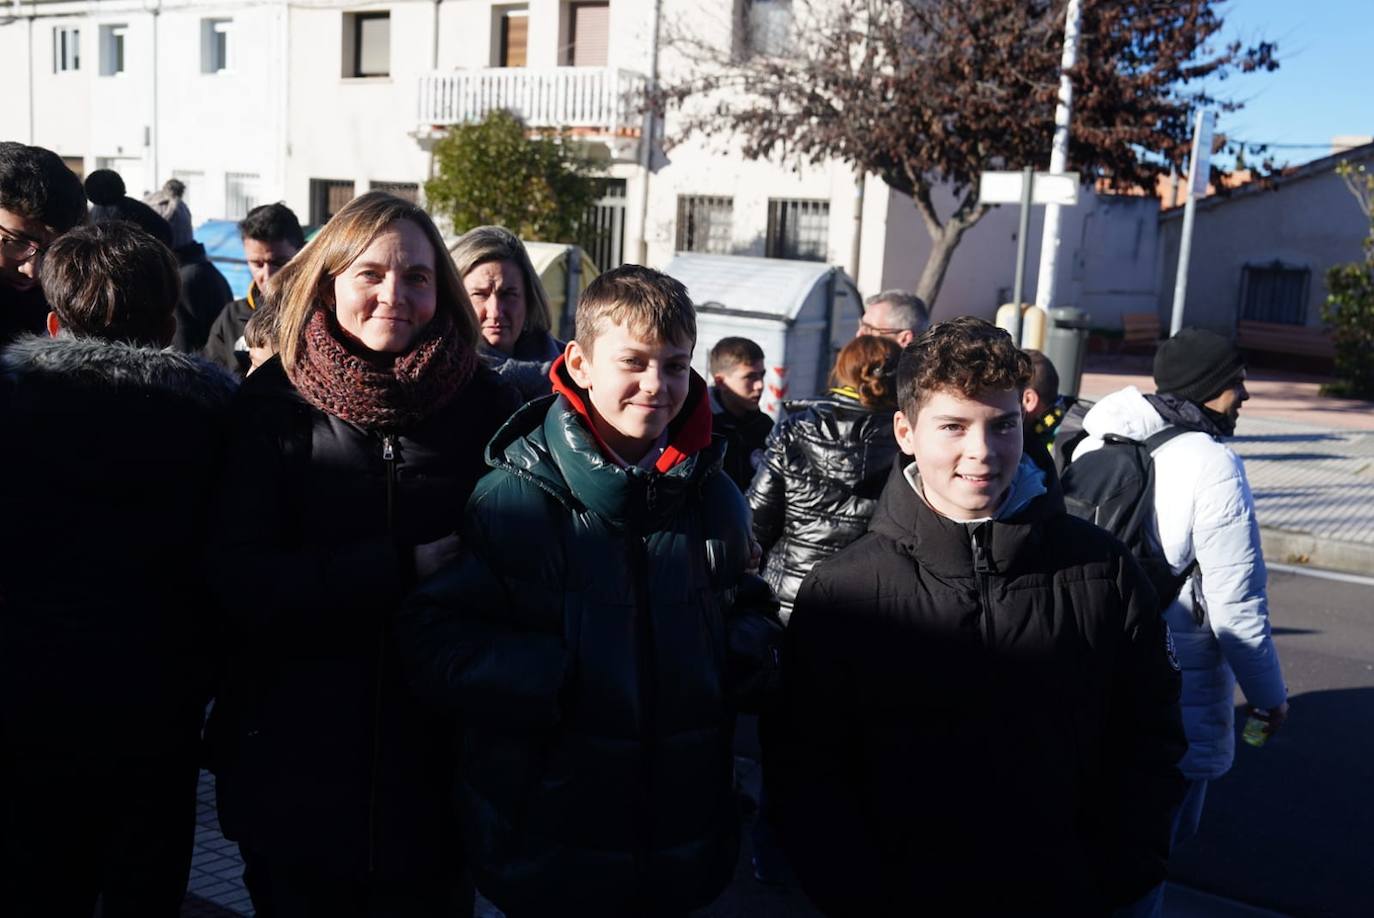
981	705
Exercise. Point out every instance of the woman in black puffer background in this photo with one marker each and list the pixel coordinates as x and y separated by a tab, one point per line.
825	465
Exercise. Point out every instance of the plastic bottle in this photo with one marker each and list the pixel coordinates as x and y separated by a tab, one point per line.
1256	727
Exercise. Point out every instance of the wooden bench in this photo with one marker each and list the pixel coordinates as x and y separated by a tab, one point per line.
1279	338
1140	331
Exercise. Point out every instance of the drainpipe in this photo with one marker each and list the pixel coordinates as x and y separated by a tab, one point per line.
33	139
433	68
646	141
155	7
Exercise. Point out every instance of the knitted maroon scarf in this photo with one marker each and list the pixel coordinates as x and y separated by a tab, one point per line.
381	391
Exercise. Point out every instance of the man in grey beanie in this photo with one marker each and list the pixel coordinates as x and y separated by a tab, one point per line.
204	291
1204	513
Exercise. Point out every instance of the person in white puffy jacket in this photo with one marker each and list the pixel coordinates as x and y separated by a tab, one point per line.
1204	512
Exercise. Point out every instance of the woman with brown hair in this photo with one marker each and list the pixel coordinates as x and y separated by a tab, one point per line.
352	454
825	465
511	307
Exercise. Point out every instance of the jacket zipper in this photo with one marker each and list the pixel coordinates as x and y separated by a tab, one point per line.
648	701
982	567
389	459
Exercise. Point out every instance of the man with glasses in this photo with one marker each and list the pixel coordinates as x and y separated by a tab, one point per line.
895	314
40	199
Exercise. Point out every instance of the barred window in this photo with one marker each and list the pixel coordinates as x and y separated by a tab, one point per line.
407	191
242	193
1275	292
327	197
798	229
703	223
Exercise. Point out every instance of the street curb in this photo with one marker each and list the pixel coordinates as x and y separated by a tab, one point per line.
1305	549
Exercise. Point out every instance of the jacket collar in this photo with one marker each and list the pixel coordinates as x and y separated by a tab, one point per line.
550	443
688	433
944	546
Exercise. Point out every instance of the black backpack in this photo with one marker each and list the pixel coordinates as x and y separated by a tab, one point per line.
1113	487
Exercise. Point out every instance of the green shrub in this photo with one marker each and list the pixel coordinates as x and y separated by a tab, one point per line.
1349	308
495	172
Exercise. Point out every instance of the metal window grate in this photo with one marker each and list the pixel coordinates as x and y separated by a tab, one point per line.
241	194
798	229
703	223
327	197
1275	292
602	234
408	191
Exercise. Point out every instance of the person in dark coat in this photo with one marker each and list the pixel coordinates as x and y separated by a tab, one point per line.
109	201
511	306
737	371
600	632
105	644
204	291
40	199
825	465
981	711
352	454
271	237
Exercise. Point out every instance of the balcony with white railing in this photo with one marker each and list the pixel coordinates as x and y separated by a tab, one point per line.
589	102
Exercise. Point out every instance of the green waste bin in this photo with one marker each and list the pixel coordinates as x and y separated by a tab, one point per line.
1066	344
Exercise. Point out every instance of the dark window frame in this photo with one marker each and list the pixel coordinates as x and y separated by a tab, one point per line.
695	235
358	20
1275	291
784	238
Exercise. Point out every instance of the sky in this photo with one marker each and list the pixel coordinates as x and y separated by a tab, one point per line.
1324	85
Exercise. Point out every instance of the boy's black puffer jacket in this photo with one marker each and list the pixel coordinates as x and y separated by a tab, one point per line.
824	469
979	719
598	635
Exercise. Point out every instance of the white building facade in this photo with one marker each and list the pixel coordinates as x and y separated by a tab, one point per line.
314	101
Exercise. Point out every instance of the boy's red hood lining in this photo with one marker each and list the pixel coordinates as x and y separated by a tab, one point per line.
688	433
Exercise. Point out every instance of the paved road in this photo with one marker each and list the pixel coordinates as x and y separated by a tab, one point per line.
1292	826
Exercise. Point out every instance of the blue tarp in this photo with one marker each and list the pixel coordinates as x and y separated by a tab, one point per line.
224	247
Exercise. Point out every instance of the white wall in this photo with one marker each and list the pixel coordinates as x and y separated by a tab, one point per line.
1310	221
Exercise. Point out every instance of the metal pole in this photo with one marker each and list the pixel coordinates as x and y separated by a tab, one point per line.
856	241
1023	231
647	137
1059	158
1185	251
1198	168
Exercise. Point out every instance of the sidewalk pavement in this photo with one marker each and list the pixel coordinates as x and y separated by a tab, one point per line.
1310	460
216	888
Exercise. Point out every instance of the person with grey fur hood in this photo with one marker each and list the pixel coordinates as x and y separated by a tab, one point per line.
110	446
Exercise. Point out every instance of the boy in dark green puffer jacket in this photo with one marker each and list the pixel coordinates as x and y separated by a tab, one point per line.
600	631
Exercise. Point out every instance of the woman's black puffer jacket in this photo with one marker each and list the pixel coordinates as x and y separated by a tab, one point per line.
824	468
323	756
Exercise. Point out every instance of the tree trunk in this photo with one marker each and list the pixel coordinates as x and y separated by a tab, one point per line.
944	239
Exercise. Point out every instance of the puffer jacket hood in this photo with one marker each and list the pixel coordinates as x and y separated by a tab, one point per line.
1204	512
823	469
120	364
